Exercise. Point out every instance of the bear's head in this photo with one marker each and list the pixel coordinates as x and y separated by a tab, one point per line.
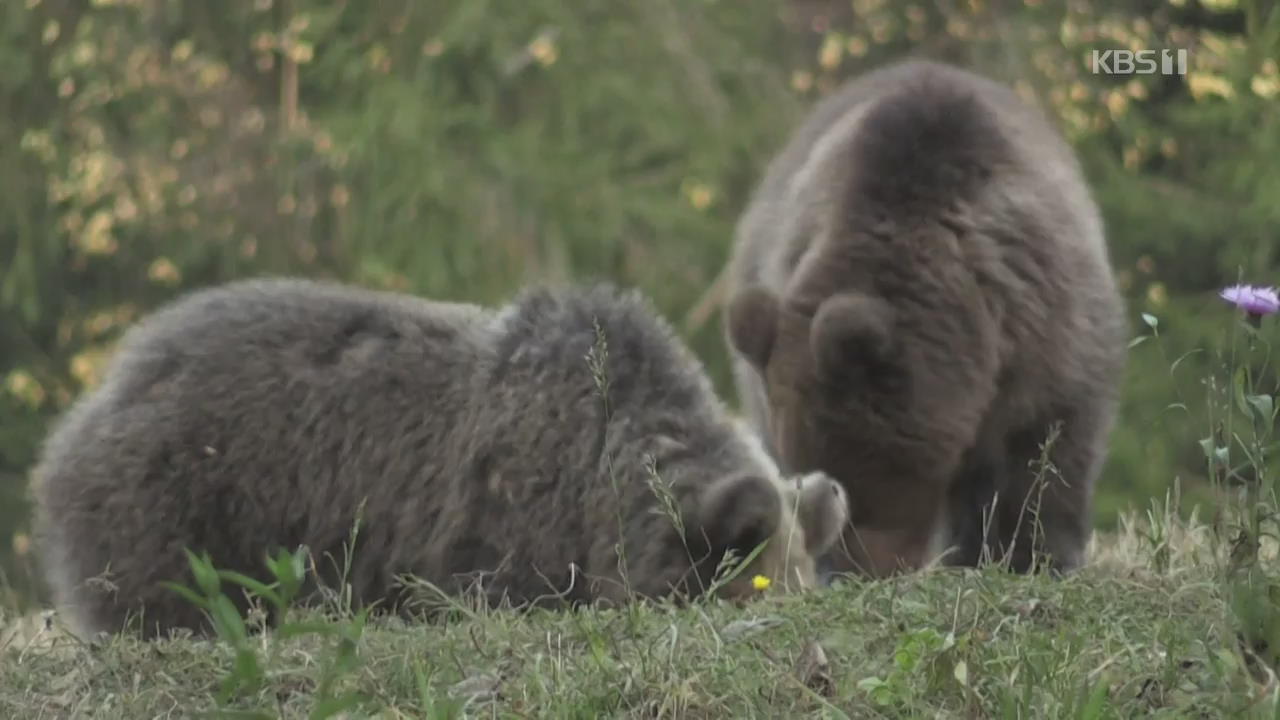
787	523
841	400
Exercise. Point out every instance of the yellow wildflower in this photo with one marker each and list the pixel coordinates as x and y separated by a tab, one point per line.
801	81
21	544
761	583
544	50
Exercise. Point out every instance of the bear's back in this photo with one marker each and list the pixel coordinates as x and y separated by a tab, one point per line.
257	414
1029	164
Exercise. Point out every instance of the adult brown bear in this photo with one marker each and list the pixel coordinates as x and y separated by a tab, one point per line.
521	447
920	298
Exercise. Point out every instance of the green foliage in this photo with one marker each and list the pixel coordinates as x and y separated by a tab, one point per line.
250	662
921	658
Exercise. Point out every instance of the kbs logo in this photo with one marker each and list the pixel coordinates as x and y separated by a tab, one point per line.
1140	62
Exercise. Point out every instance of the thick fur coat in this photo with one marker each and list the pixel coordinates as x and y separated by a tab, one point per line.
509	450
921	297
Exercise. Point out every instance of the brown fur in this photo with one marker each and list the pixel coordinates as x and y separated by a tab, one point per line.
920	290
261	414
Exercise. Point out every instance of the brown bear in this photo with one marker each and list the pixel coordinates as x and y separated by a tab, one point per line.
920	299
518	449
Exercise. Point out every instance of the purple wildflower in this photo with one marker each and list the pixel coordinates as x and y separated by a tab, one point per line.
1254	300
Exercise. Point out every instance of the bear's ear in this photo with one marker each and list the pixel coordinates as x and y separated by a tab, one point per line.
823	511
752	317
851	332
739	512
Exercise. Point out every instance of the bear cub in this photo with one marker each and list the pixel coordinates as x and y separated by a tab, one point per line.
509	452
921	303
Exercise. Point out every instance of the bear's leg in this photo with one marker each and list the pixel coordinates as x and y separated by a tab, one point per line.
966	534
101	549
127	594
1045	512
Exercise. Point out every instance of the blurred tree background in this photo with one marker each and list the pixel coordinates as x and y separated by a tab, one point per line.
461	148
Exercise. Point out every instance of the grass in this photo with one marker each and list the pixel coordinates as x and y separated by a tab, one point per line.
1172	617
1145	630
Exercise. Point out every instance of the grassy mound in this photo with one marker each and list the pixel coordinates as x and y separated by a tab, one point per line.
1150	628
